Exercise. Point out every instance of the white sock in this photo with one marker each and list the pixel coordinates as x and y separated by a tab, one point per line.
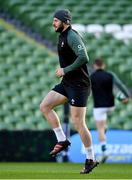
59	134
89	153
103	143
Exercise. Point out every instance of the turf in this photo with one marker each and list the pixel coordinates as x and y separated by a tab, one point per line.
63	171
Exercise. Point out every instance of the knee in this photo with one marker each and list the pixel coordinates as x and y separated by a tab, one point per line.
44	107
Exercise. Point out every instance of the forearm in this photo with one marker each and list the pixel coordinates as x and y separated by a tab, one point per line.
121	86
77	63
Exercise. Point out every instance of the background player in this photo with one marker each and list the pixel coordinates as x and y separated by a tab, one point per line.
103	83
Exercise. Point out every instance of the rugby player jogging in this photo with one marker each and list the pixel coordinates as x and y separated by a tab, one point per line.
74	88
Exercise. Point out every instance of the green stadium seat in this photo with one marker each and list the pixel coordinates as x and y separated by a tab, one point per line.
11	120
18	101
35	16
127	125
91	123
5	126
24	126
4	113
35	3
16	42
125	68
24	10
105	4
42	125
33	119
2	29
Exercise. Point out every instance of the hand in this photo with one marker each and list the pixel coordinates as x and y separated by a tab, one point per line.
60	72
125	101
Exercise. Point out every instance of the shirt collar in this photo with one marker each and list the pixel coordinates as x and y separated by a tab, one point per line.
66	30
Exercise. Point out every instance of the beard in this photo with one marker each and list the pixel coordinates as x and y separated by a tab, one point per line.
60	28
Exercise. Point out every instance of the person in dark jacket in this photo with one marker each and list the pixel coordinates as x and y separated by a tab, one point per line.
74	87
103	83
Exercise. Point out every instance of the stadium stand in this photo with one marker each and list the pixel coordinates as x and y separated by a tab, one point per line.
21	67
25	64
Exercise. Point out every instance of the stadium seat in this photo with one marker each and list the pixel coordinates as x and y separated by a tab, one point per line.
124	36
127	125
24	126
112	28
4	126
96	29
127	28
79	27
42	125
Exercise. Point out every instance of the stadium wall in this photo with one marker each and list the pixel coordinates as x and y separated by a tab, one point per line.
26	146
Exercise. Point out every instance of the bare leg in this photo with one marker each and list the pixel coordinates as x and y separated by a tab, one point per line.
101	125
52	100
78	118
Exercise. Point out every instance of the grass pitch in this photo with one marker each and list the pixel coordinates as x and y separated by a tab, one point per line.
63	171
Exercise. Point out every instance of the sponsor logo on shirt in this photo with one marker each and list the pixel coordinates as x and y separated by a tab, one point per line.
62	44
80	47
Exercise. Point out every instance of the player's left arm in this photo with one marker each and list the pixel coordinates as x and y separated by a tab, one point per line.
75	42
119	84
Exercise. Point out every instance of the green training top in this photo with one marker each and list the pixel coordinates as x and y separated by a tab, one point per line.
73	58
